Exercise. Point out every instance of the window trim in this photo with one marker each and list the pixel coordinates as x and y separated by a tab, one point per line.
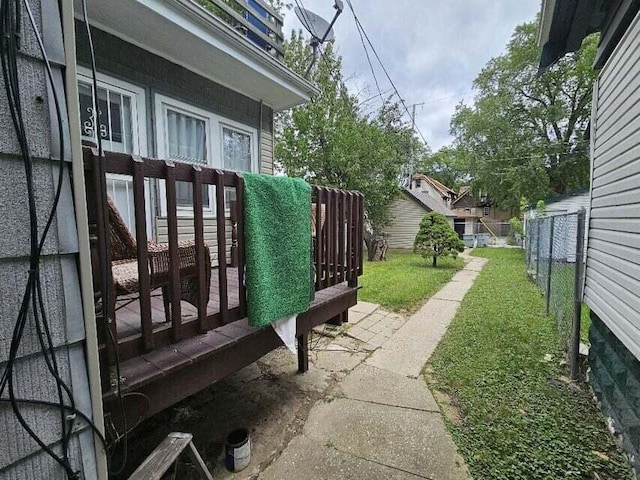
138	107
214	125
486	211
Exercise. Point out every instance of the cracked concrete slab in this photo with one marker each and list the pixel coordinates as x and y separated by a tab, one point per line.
410	440
364	307
370	384
412	345
306	459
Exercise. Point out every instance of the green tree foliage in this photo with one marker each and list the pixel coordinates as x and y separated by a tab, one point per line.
525	135
329	142
446	166
436	238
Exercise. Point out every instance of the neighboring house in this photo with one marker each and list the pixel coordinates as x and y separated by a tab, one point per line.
199	92
612	283
477	215
433	187
407	211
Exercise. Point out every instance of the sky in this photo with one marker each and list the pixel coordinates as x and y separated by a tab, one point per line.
432	49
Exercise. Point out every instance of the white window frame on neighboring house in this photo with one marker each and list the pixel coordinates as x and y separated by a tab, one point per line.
214	145
486	211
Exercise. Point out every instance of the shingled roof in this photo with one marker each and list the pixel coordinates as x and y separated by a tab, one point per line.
429	202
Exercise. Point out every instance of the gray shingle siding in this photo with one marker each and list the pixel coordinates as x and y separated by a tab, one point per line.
20	457
612	287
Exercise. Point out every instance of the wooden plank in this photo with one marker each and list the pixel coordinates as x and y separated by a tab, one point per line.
341	235
144	279
221	239
350	239
239	184
328	232
359	230
334	240
319	244
198	225
163	457
174	256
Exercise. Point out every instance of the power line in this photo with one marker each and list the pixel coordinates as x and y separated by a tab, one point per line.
366	52
384	69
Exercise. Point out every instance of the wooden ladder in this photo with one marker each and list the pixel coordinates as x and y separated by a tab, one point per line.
166	454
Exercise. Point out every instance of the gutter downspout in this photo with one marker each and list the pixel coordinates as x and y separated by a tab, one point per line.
82	222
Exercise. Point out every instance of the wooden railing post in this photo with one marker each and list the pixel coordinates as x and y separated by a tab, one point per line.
239	184
174	256
221	237
142	253
198	225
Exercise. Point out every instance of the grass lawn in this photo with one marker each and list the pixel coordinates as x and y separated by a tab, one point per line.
509	406
405	280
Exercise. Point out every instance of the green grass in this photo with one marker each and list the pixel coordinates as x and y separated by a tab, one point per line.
512	412
405	280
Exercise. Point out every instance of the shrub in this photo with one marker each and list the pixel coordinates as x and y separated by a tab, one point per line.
436	238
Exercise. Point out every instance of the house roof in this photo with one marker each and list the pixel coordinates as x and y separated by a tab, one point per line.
440	187
464	191
188	35
429	202
565	23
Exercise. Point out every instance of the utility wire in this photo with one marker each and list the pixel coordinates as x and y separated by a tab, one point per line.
384	69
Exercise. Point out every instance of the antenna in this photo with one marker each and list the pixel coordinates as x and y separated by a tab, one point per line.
321	31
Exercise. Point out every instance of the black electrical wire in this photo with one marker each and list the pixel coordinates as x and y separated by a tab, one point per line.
10	33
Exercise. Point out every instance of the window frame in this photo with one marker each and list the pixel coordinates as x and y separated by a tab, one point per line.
486	211
214	125
138	105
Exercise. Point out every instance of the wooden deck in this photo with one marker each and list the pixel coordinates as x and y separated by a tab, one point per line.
197	362
128	317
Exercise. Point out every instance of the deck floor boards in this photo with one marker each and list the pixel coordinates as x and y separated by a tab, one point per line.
128	307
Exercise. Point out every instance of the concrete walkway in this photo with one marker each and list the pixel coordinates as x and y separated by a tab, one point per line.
380	421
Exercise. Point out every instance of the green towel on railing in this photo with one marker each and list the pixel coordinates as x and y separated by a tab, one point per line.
277	232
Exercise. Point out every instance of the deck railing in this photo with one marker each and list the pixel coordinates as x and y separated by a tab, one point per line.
337	255
254	19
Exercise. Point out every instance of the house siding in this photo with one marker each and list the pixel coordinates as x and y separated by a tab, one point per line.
612	286
20	456
406	215
122	60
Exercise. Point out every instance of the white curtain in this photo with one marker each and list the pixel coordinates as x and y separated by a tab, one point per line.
236	150
187	137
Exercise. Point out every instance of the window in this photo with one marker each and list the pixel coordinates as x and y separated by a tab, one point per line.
467	209
118	110
485	211
121	123
192	135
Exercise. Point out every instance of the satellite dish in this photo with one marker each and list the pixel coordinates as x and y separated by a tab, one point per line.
321	31
317	26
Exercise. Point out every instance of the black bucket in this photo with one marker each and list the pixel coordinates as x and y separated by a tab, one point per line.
237	450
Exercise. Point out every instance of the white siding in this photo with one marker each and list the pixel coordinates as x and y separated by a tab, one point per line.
266	152
612	287
186	232
406	215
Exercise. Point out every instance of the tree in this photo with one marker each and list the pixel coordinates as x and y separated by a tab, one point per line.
446	166
327	141
526	134
436	238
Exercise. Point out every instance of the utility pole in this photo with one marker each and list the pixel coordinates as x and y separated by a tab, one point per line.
412	162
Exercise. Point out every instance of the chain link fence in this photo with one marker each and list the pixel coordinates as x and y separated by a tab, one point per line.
554	252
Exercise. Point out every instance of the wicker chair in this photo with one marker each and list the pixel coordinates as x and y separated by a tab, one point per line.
124	265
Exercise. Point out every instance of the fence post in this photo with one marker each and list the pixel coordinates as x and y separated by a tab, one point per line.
550	261
538	222
577	310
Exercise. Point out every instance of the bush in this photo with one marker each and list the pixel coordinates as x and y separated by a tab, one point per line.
436	238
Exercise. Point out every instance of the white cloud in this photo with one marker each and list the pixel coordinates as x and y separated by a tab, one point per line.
432	49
